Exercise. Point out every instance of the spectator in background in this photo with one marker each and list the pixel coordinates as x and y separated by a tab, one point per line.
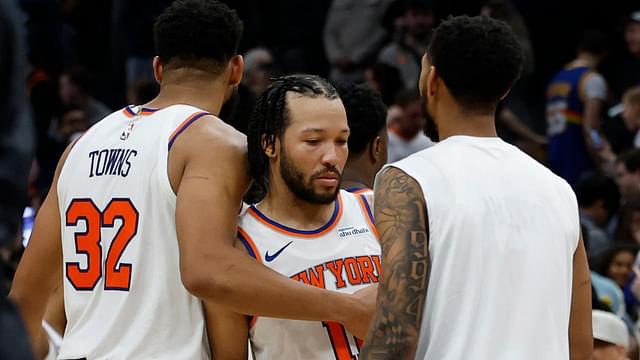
76	90
142	91
410	41
385	80
631	113
575	99
258	69
628	174
610	336
406	128
353	35
598	200
617	265
72	125
626	72
366	115
628	230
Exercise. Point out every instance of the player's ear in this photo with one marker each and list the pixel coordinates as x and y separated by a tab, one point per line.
432	81
157	69
375	149
269	147
236	65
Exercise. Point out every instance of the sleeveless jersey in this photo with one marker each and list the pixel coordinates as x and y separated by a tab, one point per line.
567	152
367	192
343	255
123	294
503	230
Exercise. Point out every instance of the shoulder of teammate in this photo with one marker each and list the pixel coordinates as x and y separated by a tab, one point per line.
215	147
211	133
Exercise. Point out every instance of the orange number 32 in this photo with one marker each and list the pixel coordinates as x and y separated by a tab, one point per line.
89	243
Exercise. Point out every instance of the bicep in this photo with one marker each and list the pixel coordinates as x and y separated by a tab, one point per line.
401	219
209	195
228	332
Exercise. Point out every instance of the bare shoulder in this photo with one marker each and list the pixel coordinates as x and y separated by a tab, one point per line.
211	133
212	141
394	187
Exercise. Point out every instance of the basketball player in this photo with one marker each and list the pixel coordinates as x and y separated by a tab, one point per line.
305	228
141	218
481	244
366	115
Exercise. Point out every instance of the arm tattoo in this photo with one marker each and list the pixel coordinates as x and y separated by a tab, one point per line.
401	219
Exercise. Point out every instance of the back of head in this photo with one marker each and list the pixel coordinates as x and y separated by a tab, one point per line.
593	42
270	117
366	114
197	34
478	58
593	187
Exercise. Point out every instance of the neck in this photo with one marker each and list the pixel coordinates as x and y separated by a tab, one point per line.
281	205
586	59
357	175
459	123
208	96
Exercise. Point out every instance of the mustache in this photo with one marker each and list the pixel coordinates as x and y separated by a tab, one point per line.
327	171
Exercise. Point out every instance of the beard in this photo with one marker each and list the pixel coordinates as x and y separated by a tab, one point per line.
430	125
294	179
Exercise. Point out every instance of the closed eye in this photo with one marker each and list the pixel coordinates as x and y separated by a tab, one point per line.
312	142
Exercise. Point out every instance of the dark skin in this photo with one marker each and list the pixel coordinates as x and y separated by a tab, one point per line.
401	219
206	222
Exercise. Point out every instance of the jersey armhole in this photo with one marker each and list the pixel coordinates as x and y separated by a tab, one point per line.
368	214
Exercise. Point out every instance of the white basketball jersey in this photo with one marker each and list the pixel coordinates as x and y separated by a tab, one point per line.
502	233
123	294
343	255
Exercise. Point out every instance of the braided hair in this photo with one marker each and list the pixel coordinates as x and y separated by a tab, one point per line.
270	117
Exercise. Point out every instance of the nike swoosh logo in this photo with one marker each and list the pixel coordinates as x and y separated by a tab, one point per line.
270	258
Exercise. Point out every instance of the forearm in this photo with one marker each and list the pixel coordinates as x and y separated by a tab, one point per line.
241	284
401	218
228	333
580	332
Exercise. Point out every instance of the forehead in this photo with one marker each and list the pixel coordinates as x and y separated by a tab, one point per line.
317	112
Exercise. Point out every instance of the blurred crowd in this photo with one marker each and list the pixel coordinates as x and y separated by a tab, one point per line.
576	107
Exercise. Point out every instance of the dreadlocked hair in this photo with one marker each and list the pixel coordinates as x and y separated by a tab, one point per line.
270	118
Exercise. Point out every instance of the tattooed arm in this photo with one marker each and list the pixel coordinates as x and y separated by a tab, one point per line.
401	219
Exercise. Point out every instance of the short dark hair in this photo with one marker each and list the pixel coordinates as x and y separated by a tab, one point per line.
478	58
592	187
270	117
630	160
366	114
200	34
593	42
